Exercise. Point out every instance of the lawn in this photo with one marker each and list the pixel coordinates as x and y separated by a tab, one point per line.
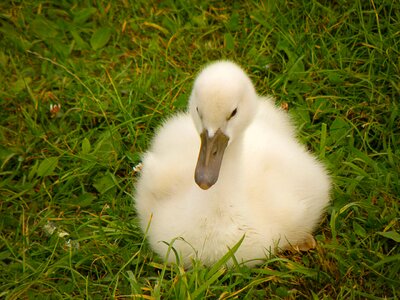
83	86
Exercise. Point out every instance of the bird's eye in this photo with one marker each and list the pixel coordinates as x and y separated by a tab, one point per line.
232	114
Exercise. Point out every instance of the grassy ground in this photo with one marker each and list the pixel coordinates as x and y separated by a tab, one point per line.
68	227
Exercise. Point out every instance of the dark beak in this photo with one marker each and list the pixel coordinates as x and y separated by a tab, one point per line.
210	158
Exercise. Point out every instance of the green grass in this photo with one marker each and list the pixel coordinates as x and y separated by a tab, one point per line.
119	69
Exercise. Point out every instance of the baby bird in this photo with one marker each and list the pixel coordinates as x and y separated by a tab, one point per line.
228	170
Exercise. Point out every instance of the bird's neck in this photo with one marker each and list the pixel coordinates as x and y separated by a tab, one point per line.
226	192
232	161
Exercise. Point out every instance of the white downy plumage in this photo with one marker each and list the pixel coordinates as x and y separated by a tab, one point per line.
229	168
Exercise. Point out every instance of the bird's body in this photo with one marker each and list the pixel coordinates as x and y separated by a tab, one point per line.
265	187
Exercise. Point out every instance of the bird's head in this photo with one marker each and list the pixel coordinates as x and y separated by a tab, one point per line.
222	104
